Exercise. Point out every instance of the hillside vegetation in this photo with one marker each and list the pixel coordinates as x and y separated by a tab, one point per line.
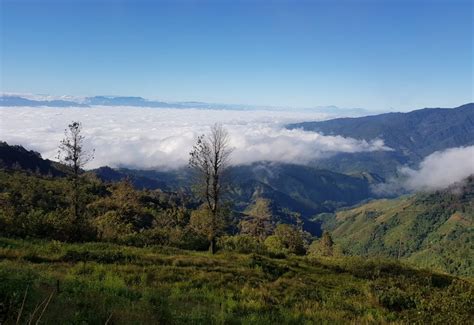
290	187
434	230
295	187
98	283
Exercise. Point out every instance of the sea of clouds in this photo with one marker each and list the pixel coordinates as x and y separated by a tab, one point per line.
439	170
162	138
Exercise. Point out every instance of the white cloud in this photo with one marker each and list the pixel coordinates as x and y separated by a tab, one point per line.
162	138
437	171
441	169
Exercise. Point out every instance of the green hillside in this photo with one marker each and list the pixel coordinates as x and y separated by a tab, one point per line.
99	283
434	230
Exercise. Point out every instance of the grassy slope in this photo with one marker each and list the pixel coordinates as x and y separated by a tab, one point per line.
158	285
430	230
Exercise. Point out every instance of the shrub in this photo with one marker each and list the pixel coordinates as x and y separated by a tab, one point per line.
292	239
322	247
394	299
241	243
110	226
274	245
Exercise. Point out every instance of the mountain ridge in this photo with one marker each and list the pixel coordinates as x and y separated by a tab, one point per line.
412	136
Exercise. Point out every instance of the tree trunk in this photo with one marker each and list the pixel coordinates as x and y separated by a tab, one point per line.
75	198
212	246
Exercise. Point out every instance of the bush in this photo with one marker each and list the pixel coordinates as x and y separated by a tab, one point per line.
326	244
322	247
293	240
241	244
395	299
274	245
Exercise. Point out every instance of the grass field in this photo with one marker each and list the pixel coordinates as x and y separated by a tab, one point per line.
98	283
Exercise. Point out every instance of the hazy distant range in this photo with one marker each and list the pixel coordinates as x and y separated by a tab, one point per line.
17	100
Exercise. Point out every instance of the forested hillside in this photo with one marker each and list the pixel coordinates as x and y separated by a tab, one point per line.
295	188
434	230
19	158
299	188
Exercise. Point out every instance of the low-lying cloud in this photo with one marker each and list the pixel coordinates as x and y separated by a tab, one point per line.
162	138
439	170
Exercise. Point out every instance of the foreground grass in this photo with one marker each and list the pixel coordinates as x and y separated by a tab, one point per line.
96	283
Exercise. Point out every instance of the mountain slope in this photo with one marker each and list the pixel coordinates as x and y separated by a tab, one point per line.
110	175
312	189
434	230
17	157
412	135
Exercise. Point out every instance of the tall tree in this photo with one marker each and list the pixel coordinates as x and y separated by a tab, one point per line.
72	153
209	160
259	220
327	244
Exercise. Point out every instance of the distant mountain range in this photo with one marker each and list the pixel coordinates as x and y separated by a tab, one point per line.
433	230
9	100
412	136
12	101
15	100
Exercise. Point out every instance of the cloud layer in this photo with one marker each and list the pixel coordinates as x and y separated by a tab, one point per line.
437	171
162	138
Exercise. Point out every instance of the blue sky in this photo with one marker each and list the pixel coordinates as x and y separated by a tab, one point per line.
374	54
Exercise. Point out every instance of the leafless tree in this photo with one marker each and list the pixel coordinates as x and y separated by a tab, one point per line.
72	153
209	159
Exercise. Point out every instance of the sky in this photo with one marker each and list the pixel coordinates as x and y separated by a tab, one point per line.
381	55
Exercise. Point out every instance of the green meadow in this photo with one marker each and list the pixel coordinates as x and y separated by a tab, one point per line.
50	282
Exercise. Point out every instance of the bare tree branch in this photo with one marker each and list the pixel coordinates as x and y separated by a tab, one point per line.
209	160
